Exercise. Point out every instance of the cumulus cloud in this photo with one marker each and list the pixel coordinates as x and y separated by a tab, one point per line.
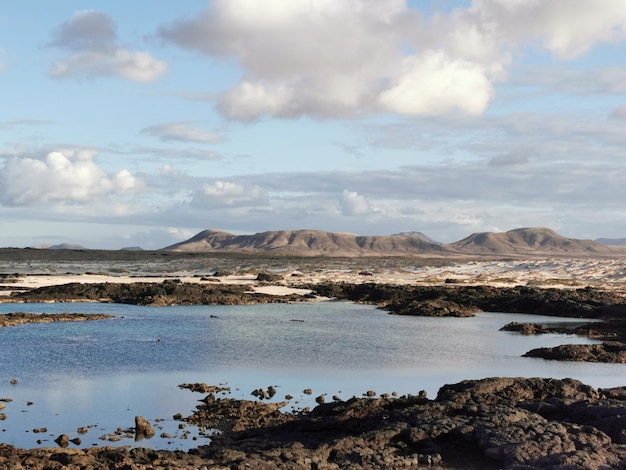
90	38
567	28
434	84
182	131
60	178
328	58
352	203
349	57
221	194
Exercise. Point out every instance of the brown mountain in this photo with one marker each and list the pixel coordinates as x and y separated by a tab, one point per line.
529	241
518	242
309	243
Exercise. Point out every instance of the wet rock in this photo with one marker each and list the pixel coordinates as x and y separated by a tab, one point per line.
204	388
62	440
529	328
143	429
259	393
605	353
20	318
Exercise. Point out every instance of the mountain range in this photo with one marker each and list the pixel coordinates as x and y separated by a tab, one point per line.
532	241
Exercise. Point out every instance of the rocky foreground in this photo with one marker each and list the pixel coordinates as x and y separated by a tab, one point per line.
523	423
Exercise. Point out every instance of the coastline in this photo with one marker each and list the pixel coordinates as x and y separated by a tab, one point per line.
399	443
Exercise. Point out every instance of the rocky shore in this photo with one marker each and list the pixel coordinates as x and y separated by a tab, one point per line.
461	301
522	423
447	300
512	423
168	292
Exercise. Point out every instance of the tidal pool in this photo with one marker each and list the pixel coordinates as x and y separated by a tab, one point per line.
103	373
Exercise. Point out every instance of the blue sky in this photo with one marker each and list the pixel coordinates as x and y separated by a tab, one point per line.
145	122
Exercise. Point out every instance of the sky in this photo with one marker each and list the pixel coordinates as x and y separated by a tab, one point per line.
142	123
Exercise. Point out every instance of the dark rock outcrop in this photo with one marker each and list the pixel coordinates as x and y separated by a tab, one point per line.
512	423
479	424
454	300
530	328
168	292
608	352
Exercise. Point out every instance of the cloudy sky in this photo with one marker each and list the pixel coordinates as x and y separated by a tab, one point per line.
144	122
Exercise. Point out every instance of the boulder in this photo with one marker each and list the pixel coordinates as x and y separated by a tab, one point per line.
142	429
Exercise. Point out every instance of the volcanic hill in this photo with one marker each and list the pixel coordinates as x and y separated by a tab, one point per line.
517	242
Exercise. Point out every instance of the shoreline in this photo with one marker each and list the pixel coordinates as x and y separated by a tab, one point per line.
262	441
491	423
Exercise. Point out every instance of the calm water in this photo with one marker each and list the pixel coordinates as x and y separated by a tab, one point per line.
103	373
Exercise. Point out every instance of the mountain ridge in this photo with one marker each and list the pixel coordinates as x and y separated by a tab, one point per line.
305	242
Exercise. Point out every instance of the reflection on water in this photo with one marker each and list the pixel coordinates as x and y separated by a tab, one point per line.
103	373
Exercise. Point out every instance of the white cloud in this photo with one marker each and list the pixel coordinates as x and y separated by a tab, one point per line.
349	57
325	58
91	39
568	28
248	101
434	84
221	194
352	203
60	178
182	131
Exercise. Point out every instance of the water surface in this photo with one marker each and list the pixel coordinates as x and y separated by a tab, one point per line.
103	373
